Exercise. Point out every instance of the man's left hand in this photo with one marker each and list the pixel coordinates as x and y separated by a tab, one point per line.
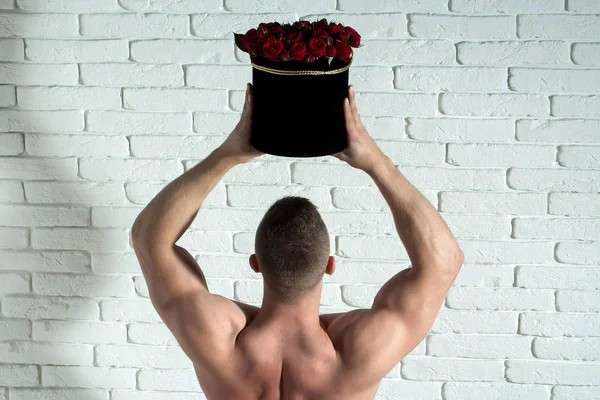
237	145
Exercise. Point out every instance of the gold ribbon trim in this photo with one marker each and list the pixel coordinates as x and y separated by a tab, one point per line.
281	72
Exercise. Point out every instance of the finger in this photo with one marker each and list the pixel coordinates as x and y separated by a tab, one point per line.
348	117
355	115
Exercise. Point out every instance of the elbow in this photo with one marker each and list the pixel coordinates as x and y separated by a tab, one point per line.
136	231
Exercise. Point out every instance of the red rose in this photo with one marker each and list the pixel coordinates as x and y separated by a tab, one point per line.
293	37
285	56
334	28
249	39
274	28
316	47
310	58
298	51
331	51
323	24
272	48
343	51
262	33
342	36
353	37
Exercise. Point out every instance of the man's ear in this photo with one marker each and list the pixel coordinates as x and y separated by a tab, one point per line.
330	265
254	263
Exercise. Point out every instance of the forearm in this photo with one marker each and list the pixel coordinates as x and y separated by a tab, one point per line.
170	213
424	233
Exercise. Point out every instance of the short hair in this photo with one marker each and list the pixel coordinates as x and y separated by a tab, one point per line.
292	247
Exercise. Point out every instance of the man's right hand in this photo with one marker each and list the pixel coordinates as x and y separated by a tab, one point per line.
362	151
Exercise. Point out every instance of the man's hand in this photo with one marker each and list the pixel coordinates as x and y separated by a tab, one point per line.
237	145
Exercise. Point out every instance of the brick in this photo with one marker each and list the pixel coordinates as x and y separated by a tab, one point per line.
263	196
219	25
500	155
393	6
329	174
181	51
76	145
411	152
121	394
216	123
493	203
134	123
11	144
11	49
25	215
583	6
181	379
586	53
79	239
574	204
175	146
215	77
558	26
462	391
406	52
130	310
553	179
259	172
579	156
380	247
507	252
496	104
552	372
556	228
575	106
385	127
479	226
50	307
7	96
227	219
454	178
51	261
359	296
41	121
140	356
482	322
115	217
13	238
434	79
460	130
22	352
155	334
461	27
88	193
144	192
6	5
19	375
584	278
14	283
509	53
574	392
438	368
380	25
554	80
115	263
134	25
123	74
83	285
480	346
500	299
578	253
578	301
55	97
79	332
67	6
38	168
39	74
76	51
157	99
98	168
38	25
551	324
66	394
166	6
88	377
11	192
485	275
506	6
405	104
369	199
555	130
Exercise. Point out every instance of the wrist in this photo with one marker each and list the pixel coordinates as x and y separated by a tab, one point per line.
381	168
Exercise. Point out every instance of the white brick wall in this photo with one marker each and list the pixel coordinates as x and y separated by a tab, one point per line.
490	108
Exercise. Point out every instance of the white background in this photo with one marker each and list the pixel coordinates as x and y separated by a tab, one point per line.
490	108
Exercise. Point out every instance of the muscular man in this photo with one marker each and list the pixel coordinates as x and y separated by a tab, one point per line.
285	349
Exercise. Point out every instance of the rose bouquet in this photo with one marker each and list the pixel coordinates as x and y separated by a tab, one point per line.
300	79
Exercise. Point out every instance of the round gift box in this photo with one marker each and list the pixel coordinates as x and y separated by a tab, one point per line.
298	108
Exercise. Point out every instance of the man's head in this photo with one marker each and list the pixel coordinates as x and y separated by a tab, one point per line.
292	248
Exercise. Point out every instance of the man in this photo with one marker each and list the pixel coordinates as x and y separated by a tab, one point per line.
285	349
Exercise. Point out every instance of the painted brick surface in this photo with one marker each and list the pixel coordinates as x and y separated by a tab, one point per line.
490	108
